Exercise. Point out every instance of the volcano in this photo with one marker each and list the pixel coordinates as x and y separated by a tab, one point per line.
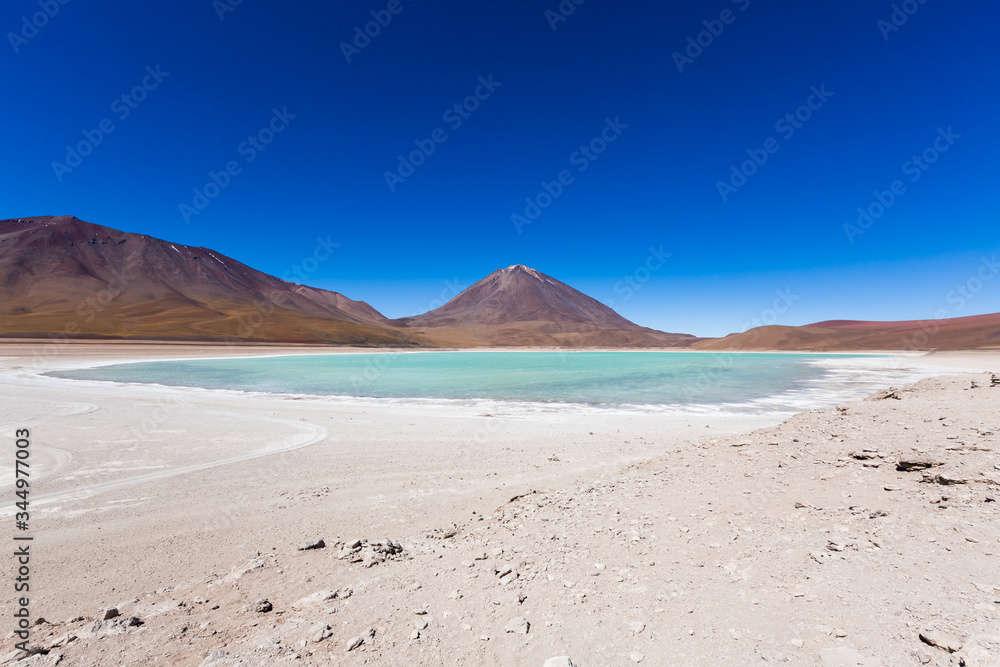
521	306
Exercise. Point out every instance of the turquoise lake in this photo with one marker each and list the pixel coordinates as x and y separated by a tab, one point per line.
592	378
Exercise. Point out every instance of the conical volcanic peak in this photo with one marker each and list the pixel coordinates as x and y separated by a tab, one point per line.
519	293
519	305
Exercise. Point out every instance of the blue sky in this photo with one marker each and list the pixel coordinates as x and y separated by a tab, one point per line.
600	100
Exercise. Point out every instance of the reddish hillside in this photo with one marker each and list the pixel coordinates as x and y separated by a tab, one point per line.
978	331
861	325
64	275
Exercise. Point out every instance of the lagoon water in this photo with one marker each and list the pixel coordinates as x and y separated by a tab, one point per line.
611	379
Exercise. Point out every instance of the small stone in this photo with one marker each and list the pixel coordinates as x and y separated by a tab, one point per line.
510	598
907	465
797	643
736	634
839	633
636	626
636	656
420	625
110	613
321	632
316	598
415	634
199	600
467	627
419	612
518	625
484	638
942	640
312	544
355	643
262	606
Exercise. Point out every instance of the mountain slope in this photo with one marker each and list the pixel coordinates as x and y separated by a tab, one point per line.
66	276
520	306
977	331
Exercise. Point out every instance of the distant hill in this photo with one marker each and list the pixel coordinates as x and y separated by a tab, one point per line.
61	275
978	331
521	306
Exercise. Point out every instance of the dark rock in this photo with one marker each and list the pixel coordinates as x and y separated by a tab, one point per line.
909	465
941	640
312	544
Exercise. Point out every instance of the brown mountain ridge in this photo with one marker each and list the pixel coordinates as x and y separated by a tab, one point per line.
62	276
958	333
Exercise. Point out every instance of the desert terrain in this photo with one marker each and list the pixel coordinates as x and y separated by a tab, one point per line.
183	527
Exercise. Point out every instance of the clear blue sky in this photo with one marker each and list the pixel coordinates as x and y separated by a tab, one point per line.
884	95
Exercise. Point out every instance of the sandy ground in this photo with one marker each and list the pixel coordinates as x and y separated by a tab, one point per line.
690	539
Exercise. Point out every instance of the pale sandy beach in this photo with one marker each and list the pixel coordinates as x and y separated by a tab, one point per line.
661	538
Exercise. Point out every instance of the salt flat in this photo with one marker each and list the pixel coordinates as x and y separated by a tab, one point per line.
684	512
